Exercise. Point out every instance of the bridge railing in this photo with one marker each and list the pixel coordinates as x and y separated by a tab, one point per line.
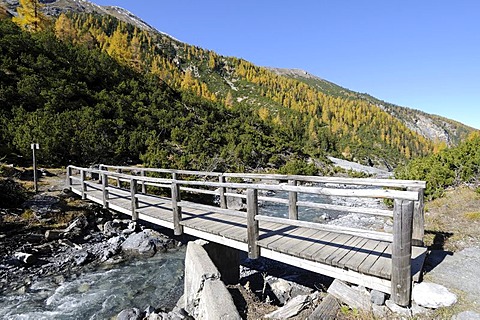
223	190
407	196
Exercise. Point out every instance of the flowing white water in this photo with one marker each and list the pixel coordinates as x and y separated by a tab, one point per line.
102	293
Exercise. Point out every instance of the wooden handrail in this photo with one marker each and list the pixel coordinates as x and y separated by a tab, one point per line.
394	183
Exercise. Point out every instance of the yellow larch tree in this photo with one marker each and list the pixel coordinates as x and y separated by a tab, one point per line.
30	17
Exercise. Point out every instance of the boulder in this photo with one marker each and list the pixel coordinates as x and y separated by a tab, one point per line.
130	314
145	243
432	295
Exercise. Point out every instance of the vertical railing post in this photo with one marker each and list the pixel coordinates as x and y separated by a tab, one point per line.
292	202
69	177
401	281
144	187
176	209
221	189
118	178
82	183
418	218
252	224
133	194
105	190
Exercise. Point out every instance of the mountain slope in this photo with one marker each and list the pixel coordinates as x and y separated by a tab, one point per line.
313	115
432	127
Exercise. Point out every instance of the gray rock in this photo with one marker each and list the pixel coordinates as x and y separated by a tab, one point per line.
51	235
146	242
467	315
285	290
432	295
26	258
395	308
81	257
109	229
292	308
130	314
378	297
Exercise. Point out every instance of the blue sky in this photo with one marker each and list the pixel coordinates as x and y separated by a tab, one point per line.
419	54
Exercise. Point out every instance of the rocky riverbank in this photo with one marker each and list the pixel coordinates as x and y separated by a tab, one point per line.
57	234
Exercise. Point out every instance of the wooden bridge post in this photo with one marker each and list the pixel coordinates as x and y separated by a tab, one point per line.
144	187
105	190
119	184
100	175
223	199
69	175
418	218
401	281
133	194
292	202
83	184
252	224
177	210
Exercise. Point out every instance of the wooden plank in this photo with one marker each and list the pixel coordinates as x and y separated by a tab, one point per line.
382	260
327	310
301	236
322	254
386	270
318	244
311	237
330	271
354	258
366	193
396	183
341	252
372	257
369	211
277	239
332	228
230	212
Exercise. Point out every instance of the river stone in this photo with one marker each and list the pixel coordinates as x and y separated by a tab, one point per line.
377	297
130	314
432	295
146	242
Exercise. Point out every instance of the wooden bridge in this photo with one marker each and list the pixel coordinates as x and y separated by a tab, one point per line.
388	262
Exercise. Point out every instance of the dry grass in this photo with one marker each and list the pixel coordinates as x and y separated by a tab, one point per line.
453	221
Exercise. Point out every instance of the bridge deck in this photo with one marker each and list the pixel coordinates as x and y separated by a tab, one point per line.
353	256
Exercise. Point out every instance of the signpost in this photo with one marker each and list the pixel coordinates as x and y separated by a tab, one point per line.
35	146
